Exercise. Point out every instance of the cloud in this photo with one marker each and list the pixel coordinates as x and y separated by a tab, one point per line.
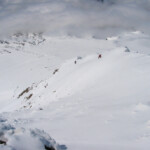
74	17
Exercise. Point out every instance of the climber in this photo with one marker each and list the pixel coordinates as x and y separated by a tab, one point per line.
99	56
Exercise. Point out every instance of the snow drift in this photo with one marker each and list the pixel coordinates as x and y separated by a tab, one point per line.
12	138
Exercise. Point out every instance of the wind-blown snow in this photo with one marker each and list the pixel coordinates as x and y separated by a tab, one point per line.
26	139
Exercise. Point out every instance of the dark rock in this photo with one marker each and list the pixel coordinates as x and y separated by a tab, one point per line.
127	49
49	148
25	91
28	97
56	70
4	143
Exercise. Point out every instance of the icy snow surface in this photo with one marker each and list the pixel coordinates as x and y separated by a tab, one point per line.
58	84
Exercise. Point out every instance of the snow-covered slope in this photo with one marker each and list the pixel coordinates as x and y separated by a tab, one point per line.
83	101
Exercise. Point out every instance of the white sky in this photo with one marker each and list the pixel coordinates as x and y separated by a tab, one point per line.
74	17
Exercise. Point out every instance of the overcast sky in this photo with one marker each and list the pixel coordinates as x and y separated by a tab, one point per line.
74	17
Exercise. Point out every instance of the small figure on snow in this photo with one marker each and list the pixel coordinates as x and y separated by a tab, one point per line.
78	58
99	56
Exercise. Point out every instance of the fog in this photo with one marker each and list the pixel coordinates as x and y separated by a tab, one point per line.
74	17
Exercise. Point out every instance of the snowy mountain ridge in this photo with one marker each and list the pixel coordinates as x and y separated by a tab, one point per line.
74	74
62	86
19	40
